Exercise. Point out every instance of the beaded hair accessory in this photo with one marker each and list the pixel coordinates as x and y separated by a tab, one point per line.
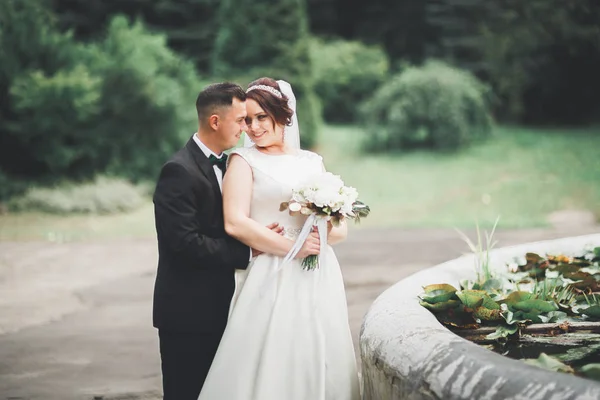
269	89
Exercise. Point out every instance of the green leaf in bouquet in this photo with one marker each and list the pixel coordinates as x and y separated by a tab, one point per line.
284	206
591	371
305	210
502	332
360	210
550	363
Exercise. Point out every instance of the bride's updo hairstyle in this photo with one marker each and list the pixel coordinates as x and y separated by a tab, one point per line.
266	92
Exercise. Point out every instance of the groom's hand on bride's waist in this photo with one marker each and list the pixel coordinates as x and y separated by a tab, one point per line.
275	227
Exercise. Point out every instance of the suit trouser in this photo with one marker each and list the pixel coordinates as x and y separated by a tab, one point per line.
186	359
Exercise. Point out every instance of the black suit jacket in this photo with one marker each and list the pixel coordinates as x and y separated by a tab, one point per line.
196	258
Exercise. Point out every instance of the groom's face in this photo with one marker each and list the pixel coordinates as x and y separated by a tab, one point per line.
232	123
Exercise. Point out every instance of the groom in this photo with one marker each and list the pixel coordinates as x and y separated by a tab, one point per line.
195	278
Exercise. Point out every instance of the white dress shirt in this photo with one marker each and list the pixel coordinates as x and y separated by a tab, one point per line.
208	153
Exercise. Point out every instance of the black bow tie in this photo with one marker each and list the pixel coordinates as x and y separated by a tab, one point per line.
219	162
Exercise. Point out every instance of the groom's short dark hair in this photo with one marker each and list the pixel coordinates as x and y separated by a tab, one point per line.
217	95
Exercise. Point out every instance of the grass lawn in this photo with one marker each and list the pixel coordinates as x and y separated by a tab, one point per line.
520	174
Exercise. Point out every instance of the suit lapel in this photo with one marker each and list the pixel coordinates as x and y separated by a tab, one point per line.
204	165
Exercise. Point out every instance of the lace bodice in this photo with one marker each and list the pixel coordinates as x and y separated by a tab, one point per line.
274	178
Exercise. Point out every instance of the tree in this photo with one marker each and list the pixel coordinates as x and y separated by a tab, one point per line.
70	110
269	39
399	26
190	25
543	58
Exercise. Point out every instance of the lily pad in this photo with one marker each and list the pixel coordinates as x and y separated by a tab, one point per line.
535	305
577	276
442	306
516	297
592	311
553	316
550	363
438	293
588	284
471	298
515	318
492	284
533	258
487	314
482	305
591	371
503	331
566	268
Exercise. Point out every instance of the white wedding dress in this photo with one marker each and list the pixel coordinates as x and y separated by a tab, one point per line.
288	336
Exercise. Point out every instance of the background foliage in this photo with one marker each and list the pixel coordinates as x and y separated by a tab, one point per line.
271	39
433	106
107	88
346	73
73	109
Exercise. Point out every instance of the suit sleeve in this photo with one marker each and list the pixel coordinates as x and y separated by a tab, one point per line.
177	226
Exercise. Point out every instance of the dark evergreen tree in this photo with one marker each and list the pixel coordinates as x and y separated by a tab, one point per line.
190	25
265	38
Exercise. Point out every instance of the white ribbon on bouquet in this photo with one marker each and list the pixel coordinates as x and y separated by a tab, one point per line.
312	220
321	224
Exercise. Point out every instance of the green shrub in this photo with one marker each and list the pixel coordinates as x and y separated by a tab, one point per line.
102	196
121	106
433	106
148	100
10	187
346	73
58	139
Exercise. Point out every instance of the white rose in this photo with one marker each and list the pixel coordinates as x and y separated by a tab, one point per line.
321	198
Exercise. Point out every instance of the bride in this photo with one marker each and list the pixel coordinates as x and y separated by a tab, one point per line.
288	335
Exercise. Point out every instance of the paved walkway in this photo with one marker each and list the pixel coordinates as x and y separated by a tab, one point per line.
75	318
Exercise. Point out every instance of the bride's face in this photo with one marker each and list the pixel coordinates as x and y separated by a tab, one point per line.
263	131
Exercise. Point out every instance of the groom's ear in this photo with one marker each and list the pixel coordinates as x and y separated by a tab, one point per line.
213	121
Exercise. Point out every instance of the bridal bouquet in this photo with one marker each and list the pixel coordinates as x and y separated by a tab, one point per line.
323	198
